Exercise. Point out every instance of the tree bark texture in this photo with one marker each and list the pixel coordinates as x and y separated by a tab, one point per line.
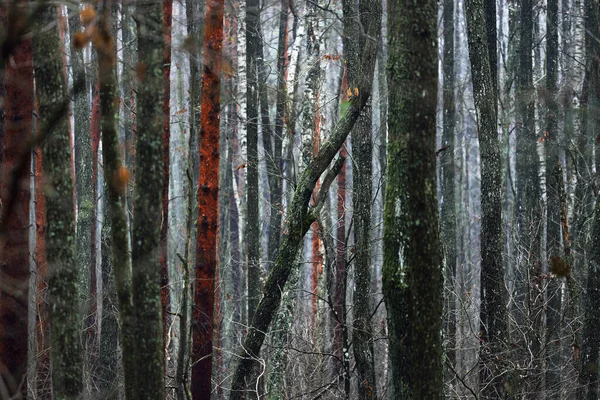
63	285
208	193
418	288
165	291
147	202
14	244
252	228
553	185
447	164
493	315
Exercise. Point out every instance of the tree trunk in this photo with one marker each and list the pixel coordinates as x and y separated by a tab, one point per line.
447	164
252	227
301	217
274	165
14	243
413	47
116	177
165	290
528	200
148	202
63	282
494	319
553	185
206	247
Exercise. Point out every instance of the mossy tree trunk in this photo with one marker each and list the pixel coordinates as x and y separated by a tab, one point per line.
414	293
494	319
116	177
147	202
300	216
63	285
252	222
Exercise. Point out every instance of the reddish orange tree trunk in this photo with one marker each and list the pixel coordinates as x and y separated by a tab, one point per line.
165	293
14	246
208	204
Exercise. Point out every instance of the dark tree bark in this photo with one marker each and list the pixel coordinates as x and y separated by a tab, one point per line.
63	285
395	227
252	227
14	243
494	319
419	292
553	185
165	291
528	207
274	164
208	193
85	197
361	139
116	177
340	275
147	202
447	164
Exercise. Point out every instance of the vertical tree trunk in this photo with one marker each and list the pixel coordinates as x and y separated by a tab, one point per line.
553	185
14	243
494	320
116	177
413	48
361	138
42	366
208	183
252	227
447	163
274	165
85	195
63	282
165	291
528	196
148	202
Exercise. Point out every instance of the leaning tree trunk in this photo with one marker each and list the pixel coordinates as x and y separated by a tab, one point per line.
301	217
14	242
147	203
494	319
63	285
